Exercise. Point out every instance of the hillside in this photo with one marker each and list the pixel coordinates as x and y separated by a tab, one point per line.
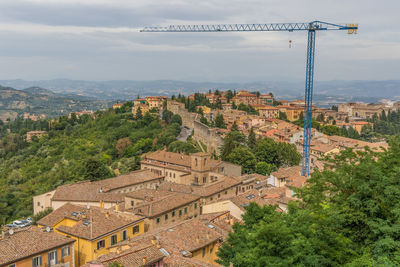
39	101
75	149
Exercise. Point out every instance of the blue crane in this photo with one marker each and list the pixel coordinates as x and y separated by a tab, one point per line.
311	27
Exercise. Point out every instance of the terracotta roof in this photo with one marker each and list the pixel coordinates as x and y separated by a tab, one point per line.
132	178
215	187
133	256
174	187
90	224
164	204
245	199
286	172
147	194
170	157
29	241
84	191
297	181
96	191
323	148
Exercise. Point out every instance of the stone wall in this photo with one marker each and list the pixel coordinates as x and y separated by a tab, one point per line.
201	132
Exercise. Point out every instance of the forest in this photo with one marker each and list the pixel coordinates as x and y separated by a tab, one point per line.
75	149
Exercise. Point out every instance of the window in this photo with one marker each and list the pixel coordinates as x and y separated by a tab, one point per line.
185	210
174	175
12	265
114	240
124	235
166	173
195	205
37	261
158	220
226	192
52	257
219	195
132	203
173	214
136	228
180	212
101	244
65	251
204	179
38	204
204	252
166	216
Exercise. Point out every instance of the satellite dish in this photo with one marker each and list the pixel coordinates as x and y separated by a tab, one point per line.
48	229
11	231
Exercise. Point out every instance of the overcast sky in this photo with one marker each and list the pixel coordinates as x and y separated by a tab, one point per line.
100	40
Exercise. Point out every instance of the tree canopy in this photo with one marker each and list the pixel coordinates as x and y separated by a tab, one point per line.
347	215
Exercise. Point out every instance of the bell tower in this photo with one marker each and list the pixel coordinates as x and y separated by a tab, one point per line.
200	168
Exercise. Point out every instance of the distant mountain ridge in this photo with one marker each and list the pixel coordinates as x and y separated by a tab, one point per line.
39	101
369	91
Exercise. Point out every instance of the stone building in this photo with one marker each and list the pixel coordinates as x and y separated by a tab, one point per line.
196	169
32	134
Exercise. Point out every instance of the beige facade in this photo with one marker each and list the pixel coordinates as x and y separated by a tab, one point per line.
42	202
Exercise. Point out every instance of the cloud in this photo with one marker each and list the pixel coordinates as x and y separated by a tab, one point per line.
100	39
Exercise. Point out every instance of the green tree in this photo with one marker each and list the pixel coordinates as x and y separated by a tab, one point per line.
219	121
95	169
244	157
139	114
232	140
265	168
251	140
176	119
348	216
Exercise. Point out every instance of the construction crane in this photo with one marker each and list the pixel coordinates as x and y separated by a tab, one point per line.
311	27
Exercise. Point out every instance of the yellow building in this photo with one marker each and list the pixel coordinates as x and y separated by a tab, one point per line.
95	229
32	246
143	108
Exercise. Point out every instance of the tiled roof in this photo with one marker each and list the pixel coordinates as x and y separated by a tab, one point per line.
164	204
323	148
170	157
147	194
174	187
90	224
96	191
286	172
245	199
29	241
216	187
85	191
132	178
133	257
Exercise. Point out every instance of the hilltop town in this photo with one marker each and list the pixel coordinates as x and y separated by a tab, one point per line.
182	197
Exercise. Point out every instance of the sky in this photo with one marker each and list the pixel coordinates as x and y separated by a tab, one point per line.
100	40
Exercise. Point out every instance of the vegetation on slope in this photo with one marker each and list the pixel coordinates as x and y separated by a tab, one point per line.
76	149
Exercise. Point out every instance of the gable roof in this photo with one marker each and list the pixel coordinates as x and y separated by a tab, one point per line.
90	224
28	242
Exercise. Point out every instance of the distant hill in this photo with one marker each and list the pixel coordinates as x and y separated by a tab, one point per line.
327	91
39	101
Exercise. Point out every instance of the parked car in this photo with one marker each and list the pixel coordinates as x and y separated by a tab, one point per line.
29	219
11	225
26	223
19	224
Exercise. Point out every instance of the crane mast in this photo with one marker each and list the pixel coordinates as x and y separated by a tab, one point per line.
311	27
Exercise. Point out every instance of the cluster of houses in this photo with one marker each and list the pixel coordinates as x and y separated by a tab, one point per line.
176	211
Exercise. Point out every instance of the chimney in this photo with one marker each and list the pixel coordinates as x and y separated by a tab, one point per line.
231	221
154	240
107	215
117	207
144	260
197	239
102	204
